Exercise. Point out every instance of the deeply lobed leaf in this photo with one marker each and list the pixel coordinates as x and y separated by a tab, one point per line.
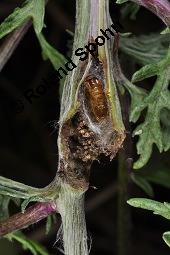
34	9
166	238
150	131
162	209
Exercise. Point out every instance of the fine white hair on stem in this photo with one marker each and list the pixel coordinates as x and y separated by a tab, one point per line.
71	208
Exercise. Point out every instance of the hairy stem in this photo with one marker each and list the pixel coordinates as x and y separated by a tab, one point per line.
11	43
71	207
31	215
160	8
90	119
90	124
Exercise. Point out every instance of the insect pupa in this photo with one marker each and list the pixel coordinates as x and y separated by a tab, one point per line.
96	98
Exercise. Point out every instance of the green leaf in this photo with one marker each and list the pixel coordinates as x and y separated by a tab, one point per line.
48	52
51	220
162	209
125	35
147	204
165	31
137	97
30	9
15	189
143	184
150	131
130	10
166	238
152	69
146	72
145	49
165	122
38	247
158	175
4	203
56	58
121	1
161	177
38	12
48	224
34	247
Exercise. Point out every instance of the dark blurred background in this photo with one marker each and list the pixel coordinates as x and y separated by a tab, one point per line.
28	151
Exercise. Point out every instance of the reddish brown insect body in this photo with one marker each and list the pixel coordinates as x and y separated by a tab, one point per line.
96	98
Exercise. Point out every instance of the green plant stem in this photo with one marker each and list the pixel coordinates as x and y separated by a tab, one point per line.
123	210
124	169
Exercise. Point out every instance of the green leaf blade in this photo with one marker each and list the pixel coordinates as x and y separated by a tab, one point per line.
34	9
56	58
143	184
145	72
158	208
121	1
147	204
165	31
34	247
38	13
14	20
166	238
150	131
